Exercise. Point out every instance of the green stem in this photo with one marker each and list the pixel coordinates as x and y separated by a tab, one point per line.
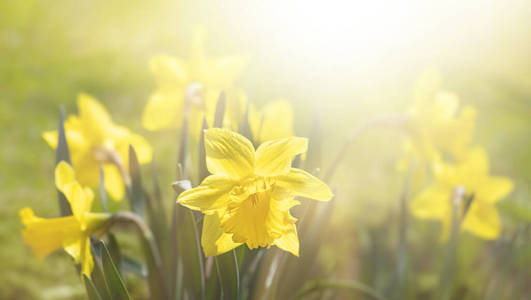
150	249
451	250
350	285
386	121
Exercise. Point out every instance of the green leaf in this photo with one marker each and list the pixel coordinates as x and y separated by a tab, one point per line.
103	192
62	154
182	161
202	168
131	265
515	211
220	110
227	265
92	292
97	274
114	250
245	126
189	249
134	190
113	278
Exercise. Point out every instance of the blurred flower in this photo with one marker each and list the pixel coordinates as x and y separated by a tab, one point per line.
248	197
435	128
193	88
95	140
481	218
72	232
273	121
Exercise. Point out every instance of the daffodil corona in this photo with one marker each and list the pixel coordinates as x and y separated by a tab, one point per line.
71	232
472	174
94	141
248	196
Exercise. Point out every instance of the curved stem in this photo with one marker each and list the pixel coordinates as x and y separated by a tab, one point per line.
351	285
386	121
150	246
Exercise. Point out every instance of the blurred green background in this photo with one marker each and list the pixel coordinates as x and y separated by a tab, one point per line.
345	64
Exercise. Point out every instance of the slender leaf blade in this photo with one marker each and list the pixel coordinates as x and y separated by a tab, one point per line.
113	278
92	292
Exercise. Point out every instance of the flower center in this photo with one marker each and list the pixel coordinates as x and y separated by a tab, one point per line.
195	94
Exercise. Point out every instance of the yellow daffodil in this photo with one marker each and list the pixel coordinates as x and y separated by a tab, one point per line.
248	197
95	140
273	121
472	174
72	232
193	87
435	128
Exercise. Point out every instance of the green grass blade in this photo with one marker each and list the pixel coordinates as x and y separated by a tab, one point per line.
202	168
135	191
92	292
227	265
350	285
113	278
245	126
62	154
220	110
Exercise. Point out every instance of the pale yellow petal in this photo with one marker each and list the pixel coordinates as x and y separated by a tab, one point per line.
210	195
303	184
64	175
113	182
51	138
163	110
228	153
170	72
213	240
432	203
274	157
79	249
80	200
289	241
494	189
277	121
482	220
45	236
95	119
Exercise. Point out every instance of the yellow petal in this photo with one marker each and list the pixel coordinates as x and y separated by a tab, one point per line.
432	203
289	241
113	182
213	240
303	184
80	200
228	153
274	157
45	236
494	189
79	249
169	72
226	70
51	138
277	121
94	118
142	148
210	195
163	110
482	220
64	175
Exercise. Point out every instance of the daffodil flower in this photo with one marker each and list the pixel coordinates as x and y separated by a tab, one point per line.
472	174
95	140
72	233
273	121
248	196
192	87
